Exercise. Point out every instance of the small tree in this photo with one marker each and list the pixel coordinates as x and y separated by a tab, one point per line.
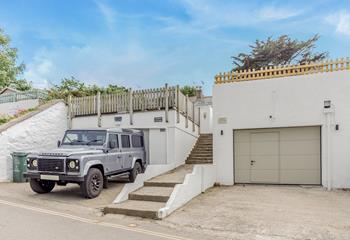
281	51
9	69
74	87
190	90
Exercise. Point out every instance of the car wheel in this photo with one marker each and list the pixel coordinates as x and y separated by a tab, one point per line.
41	186
135	171
93	184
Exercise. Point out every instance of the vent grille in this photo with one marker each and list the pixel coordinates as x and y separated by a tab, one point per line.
51	165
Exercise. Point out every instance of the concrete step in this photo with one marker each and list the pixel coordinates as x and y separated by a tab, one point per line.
154	194
203	143
200	158
170	179
198	153
145	209
205	147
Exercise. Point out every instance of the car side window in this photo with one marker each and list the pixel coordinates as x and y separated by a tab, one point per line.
137	141
125	141
113	141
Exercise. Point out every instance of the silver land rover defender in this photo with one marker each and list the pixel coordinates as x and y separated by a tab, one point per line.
88	157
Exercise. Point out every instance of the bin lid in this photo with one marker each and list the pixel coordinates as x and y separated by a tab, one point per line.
19	154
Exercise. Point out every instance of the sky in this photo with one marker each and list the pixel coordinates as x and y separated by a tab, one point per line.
147	43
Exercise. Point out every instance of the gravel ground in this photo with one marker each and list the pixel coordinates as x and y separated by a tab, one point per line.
267	213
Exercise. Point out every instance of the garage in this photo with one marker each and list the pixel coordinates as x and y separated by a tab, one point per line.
278	155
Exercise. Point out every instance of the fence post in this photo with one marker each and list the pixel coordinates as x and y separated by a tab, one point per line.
70	111
130	107
193	118
98	109
177	102
199	120
186	107
166	95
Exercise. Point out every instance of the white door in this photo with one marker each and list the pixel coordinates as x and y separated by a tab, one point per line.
278	155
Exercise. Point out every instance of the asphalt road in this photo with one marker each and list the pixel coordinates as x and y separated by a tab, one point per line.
18	221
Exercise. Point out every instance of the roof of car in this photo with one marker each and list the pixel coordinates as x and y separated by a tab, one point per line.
119	130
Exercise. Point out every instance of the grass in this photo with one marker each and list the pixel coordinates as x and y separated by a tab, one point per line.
6	118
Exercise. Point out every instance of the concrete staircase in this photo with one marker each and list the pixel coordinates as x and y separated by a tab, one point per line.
202	152
146	201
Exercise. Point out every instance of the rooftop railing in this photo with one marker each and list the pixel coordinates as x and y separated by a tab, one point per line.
283	71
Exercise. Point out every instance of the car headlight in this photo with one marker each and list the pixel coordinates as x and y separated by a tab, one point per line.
72	164
32	163
35	163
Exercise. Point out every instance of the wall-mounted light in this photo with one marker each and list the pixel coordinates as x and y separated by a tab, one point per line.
327	104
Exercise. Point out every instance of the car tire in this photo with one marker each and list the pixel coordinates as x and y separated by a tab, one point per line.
93	184
41	186
135	171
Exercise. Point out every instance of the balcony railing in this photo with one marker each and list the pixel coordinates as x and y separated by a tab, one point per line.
283	71
165	98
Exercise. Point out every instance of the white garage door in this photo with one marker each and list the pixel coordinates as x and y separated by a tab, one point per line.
278	155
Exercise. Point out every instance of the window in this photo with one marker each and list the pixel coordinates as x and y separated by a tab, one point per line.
84	137
137	141
125	141
113	141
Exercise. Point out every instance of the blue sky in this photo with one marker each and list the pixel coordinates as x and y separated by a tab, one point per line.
145	44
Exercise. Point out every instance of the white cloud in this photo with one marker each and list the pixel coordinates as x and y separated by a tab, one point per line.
39	70
341	22
273	13
108	14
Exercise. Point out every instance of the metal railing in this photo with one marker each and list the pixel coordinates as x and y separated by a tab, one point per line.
20	96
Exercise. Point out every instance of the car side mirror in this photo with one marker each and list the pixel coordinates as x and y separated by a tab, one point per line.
58	143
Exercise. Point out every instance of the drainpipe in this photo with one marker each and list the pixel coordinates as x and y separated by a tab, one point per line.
329	111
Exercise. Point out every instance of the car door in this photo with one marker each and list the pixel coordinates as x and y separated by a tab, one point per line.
126	150
114	156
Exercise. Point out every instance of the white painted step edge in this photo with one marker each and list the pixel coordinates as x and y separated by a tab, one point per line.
151	172
200	179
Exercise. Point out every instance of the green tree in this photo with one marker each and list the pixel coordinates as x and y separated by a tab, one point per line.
190	90
280	51
74	87
9	69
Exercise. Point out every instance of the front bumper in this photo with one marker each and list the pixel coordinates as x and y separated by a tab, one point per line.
61	177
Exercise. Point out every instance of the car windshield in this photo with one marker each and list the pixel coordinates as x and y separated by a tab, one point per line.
84	137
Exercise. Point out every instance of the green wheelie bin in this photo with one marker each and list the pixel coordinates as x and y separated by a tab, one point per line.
19	166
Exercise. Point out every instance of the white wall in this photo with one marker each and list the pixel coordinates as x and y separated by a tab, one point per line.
200	179
169	147
38	133
11	108
285	102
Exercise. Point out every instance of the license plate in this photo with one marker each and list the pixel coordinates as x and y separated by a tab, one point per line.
49	177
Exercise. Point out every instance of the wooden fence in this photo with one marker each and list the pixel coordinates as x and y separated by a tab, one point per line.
20	96
283	71
135	101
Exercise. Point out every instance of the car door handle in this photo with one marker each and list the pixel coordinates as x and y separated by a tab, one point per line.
130	155
119	156
252	162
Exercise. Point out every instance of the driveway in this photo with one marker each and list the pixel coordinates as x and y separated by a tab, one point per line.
66	198
267	212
